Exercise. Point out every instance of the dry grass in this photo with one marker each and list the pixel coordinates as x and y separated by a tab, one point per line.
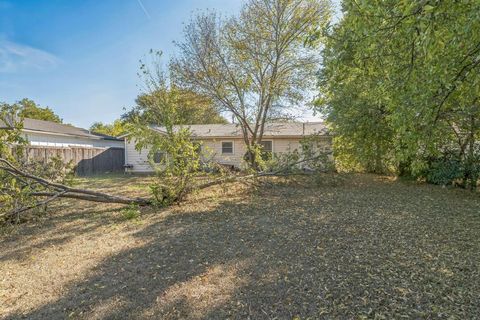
354	247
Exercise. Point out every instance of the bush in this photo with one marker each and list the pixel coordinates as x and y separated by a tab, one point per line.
444	171
131	212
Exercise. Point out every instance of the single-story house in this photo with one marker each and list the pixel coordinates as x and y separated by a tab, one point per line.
52	134
225	144
89	153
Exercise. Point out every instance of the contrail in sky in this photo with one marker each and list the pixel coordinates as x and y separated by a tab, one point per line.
143	8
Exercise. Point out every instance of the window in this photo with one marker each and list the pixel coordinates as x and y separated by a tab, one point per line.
158	157
227	147
267	148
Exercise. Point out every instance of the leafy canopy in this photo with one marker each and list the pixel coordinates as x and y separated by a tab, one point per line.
191	108
400	85
29	109
115	129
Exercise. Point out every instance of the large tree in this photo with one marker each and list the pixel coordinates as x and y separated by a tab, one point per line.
401	86
115	129
29	109
254	65
191	108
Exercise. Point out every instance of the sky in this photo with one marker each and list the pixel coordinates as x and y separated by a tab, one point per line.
81	57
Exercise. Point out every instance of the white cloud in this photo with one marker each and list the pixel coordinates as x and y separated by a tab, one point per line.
15	57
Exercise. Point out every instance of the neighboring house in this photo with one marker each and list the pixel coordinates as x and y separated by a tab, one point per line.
87	152
52	134
224	142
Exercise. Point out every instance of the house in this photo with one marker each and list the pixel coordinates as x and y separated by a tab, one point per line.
87	152
225	145
52	134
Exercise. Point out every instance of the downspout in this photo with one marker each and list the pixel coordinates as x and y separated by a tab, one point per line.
126	153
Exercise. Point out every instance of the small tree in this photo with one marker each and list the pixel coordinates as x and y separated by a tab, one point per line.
178	157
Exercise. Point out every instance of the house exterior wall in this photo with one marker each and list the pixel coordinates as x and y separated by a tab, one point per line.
52	140
137	159
212	149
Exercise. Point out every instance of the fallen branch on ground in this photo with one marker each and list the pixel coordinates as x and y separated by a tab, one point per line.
282	172
55	190
49	191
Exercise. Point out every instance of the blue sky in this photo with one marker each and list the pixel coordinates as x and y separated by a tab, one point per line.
80	57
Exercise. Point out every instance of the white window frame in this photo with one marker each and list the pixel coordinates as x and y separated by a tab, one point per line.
233	146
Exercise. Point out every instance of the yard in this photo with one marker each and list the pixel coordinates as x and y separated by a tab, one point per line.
355	246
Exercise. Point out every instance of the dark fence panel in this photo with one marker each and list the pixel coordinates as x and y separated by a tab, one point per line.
87	161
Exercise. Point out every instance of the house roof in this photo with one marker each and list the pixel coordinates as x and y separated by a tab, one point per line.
34	125
275	129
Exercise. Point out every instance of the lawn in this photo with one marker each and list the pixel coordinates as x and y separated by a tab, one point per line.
353	247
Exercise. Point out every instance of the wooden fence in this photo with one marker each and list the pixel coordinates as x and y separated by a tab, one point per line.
87	161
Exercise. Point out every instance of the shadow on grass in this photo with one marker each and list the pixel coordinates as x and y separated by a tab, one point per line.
56	229
373	250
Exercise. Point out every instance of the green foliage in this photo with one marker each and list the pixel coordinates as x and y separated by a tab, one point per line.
400	83
444	171
29	109
191	108
16	193
314	156
55	169
131	212
181	160
11	190
115	129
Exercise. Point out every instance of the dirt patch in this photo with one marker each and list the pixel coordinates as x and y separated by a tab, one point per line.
358	247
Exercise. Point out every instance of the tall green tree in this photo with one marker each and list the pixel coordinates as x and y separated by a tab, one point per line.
191	108
400	84
29	109
115	129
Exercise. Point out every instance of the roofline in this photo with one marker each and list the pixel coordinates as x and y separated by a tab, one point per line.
240	136
151	128
264	136
93	137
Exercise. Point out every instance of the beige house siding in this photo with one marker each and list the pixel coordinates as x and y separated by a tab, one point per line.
212	149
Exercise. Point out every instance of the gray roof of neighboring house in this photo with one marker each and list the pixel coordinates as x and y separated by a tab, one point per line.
59	128
275	129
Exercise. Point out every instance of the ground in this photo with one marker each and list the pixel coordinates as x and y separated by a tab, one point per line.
353	247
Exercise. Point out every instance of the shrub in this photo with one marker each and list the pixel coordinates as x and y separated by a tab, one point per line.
444	171
131	212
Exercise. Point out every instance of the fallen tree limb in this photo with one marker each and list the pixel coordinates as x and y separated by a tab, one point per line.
42	188
58	190
282	172
99	197
33	206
